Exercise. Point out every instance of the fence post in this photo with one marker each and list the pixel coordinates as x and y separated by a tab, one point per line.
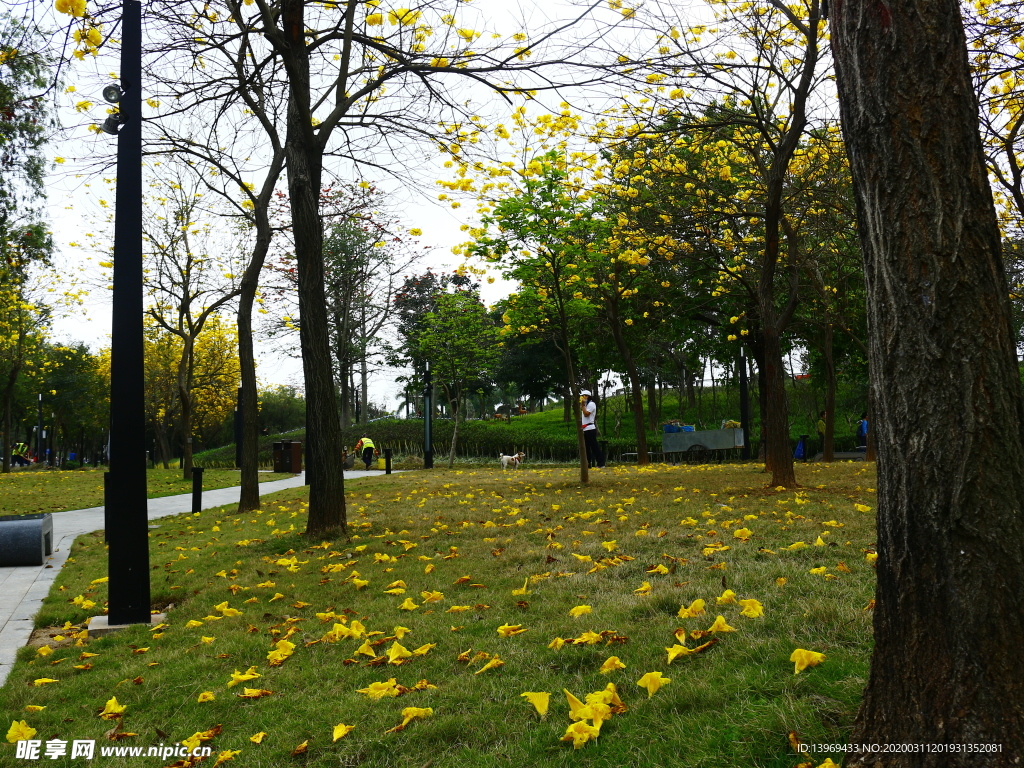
197	489
387	461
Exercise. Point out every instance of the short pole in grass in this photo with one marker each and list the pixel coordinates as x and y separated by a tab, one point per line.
197	489
387	461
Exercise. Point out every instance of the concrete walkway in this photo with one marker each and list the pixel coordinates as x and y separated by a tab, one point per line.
22	588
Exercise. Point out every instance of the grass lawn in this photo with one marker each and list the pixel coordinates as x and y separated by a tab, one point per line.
29	493
440	566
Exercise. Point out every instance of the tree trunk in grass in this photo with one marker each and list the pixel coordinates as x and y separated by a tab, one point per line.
305	165
948	661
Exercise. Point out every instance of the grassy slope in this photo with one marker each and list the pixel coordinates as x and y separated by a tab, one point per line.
26	493
730	706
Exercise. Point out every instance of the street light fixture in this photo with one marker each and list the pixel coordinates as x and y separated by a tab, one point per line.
125	508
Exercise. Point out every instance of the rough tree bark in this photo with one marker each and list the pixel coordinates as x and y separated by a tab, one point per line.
249	495
948	661
305	169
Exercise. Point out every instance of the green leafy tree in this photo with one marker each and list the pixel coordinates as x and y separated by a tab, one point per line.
463	345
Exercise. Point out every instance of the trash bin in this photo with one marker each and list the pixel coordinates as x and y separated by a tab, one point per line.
382	463
288	456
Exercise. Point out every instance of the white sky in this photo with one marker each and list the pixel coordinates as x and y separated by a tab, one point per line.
73	210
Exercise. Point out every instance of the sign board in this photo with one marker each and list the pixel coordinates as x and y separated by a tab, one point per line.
713	439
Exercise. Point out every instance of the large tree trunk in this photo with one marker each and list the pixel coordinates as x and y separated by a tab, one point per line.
948	661
249	495
778	452
304	161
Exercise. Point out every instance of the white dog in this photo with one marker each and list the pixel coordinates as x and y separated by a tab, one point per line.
511	461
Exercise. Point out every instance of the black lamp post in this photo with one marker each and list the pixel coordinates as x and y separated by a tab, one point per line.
125	514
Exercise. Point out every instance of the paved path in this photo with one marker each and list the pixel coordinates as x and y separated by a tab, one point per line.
22	588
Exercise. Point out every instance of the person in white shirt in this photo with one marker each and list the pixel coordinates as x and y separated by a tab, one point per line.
595	456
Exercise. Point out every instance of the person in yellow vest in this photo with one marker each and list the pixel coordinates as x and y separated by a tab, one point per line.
366	446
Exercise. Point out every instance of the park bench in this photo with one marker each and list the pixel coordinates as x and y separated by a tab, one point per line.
25	539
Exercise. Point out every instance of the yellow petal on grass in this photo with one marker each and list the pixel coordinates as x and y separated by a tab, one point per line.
206	696
802	659
44	650
862	507
643	589
243	677
743	534
20	731
580	732
34	708
719	625
112	710
408	605
540	701
408	715
751	608
397	653
577	709
423	650
523	589
579	610
376	691
652	681
659	569
611	664
508	630
341	730
696	608
257	738
44	681
556	644
726	597
494	662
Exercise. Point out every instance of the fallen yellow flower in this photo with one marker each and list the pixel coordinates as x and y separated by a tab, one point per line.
408	715
44	681
580	732
378	691
751	608
508	630
341	730
494	662
206	696
696	608
20	731
113	710
720	626
539	700
257	738
397	652
579	610
726	597
643	589
802	659
611	664
652	681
